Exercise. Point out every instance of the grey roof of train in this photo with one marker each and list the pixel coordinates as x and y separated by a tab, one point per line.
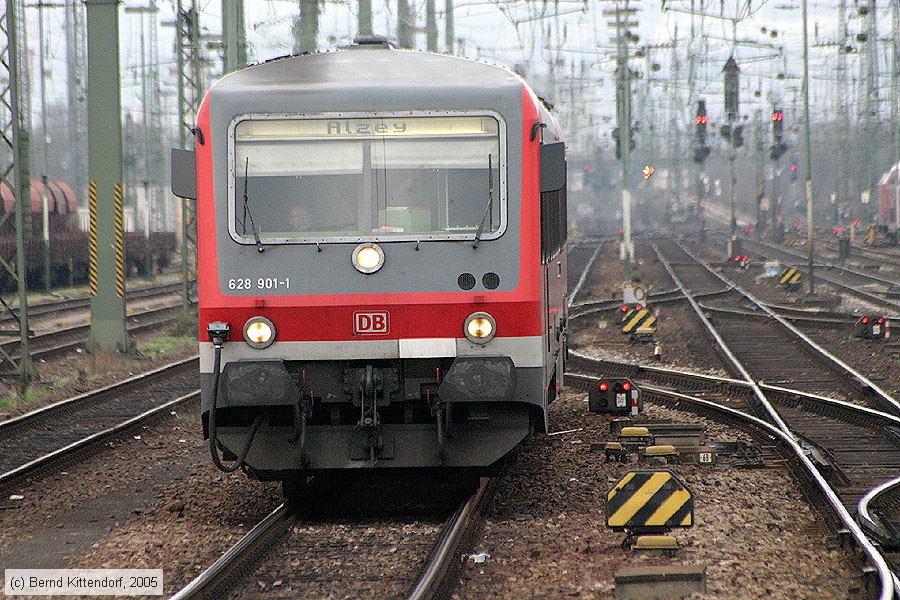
363	67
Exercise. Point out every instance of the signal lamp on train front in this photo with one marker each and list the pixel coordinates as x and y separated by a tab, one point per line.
480	328
368	258
259	332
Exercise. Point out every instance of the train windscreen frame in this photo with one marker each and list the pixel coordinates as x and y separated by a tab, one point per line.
367	177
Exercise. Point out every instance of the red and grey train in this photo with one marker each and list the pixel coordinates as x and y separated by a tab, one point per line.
382	262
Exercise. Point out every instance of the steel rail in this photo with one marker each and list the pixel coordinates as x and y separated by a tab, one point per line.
891	420
584	275
205	584
864	513
462	525
94	437
737	364
157	317
827	263
860	378
64	304
434	579
873	297
94	394
886	577
593	307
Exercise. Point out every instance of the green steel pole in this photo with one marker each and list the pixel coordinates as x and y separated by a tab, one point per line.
107	246
449	33
235	38
364	18
306	27
625	142
431	33
810	238
404	24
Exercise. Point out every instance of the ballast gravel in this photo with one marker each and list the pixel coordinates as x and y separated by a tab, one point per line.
546	533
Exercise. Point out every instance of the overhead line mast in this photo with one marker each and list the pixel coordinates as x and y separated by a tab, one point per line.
15	172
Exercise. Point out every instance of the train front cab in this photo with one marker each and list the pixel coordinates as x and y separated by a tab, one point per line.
356	374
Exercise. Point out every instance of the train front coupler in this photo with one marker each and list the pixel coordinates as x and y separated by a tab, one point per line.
370	384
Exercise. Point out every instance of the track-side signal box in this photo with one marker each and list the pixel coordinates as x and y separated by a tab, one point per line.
616	395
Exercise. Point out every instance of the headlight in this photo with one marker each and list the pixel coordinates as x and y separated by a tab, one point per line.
259	332
480	327
368	258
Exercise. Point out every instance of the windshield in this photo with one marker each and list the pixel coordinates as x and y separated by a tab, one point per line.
380	178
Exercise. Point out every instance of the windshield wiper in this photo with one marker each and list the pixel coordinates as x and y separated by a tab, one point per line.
487	206
247	212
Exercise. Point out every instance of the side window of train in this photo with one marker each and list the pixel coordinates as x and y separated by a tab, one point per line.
553	199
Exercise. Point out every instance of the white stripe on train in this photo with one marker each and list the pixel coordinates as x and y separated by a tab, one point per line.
525	351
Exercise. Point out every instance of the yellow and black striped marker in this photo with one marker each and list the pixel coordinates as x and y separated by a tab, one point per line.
651	500
636	319
92	237
120	240
793	242
647	328
790	277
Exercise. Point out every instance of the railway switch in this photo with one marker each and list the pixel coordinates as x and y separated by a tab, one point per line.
617	395
668	453
615	452
872	327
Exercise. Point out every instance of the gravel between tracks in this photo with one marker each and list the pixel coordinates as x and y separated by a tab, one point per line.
547	539
77	372
683	339
870	358
351	559
153	502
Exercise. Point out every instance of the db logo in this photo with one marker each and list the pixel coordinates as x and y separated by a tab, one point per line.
371	323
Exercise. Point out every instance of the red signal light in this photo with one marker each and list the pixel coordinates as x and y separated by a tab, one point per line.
881	321
604	386
624	308
737	258
794	168
746	257
638	307
865	320
778	116
586	167
626	386
701	120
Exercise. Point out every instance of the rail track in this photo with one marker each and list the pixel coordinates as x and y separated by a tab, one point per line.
856	446
49	344
277	531
44	437
80	304
763	342
879	290
710	396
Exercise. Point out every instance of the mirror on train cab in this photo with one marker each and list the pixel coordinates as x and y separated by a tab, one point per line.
184	173
553	166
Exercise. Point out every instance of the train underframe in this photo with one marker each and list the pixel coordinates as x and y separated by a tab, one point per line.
464	412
